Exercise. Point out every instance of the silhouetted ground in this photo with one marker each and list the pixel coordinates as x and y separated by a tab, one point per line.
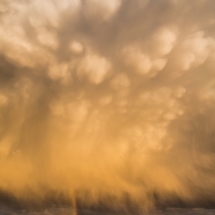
68	211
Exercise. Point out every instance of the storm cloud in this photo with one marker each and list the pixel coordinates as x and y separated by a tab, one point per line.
108	100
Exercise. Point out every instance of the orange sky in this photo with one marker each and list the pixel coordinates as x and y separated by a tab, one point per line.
108	98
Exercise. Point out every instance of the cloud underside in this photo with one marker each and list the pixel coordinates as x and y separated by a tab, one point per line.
108	100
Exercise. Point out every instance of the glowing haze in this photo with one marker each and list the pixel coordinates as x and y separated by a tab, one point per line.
108	100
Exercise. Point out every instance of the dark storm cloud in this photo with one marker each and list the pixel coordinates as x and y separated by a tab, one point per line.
104	99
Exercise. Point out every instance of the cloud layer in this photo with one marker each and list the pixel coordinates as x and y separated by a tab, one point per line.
108	100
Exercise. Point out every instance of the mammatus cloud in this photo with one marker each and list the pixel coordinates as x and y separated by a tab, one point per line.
108	101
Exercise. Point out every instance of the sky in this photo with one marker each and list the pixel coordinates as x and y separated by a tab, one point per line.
108	101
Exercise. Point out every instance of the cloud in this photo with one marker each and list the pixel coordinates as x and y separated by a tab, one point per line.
164	40
96	68
101	9
108	101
